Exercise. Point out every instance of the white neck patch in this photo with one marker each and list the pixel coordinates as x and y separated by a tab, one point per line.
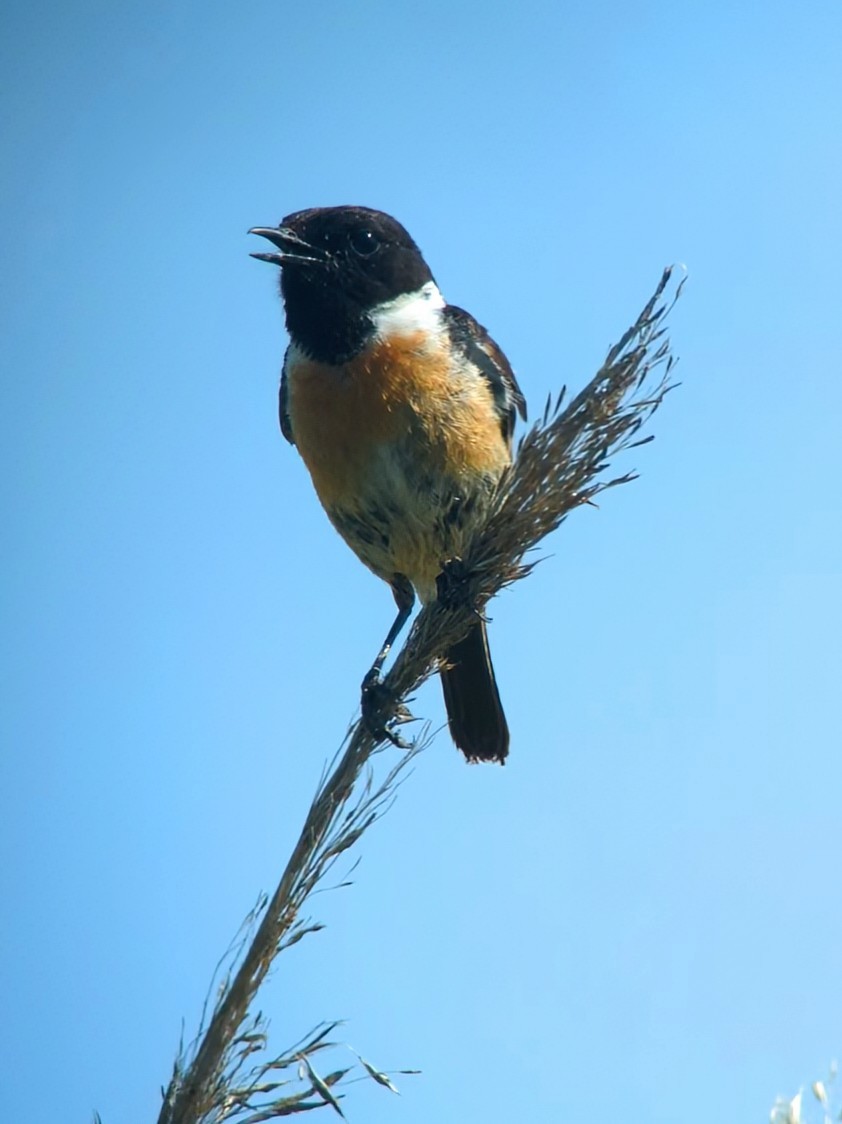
410	312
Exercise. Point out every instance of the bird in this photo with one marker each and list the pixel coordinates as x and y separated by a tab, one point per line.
403	409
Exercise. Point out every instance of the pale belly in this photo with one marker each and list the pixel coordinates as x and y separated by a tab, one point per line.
409	517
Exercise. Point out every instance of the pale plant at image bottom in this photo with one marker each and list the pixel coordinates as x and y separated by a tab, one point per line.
801	1109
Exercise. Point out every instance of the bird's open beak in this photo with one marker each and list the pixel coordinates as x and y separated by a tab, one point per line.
293	249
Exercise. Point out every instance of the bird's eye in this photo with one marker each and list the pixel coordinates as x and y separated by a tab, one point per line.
363	242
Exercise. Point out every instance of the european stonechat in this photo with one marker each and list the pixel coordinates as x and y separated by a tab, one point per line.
402	408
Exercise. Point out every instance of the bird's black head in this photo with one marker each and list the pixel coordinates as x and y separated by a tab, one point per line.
338	264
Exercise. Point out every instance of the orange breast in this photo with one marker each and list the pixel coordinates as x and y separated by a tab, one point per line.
403	393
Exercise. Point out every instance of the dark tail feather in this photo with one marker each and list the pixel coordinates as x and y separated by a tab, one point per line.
474	711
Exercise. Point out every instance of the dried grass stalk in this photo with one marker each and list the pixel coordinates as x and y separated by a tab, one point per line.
560	466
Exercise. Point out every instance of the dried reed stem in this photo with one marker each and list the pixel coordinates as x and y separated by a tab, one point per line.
559	466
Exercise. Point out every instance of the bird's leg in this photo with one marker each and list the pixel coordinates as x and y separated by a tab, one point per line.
377	703
404	596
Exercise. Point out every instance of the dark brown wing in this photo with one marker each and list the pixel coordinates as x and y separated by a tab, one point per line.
283	411
480	349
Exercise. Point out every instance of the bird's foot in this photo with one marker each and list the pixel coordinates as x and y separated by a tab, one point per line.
453	586
381	711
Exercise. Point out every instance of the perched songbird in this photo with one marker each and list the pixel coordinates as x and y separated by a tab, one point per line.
402	408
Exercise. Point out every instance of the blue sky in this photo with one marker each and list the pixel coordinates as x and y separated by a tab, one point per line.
639	916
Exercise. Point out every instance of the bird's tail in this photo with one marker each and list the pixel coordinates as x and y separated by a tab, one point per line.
474	711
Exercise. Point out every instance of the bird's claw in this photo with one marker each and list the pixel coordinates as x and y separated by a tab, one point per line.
381	712
453	586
